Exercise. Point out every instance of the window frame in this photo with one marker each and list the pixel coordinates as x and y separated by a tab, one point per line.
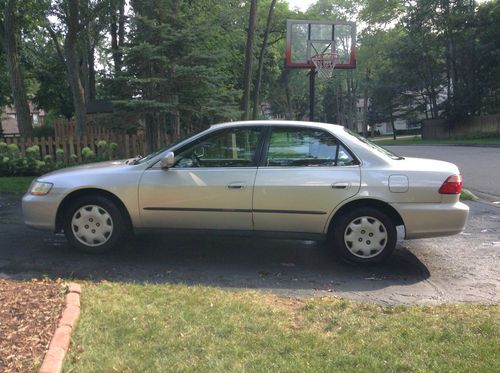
267	143
256	156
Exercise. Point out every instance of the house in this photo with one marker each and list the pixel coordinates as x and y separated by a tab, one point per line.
385	128
9	121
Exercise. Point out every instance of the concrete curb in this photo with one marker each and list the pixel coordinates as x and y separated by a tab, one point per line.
59	345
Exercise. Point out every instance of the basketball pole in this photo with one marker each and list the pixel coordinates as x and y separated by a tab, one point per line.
312	84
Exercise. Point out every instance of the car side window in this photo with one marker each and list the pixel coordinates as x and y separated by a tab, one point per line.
344	158
234	147
306	147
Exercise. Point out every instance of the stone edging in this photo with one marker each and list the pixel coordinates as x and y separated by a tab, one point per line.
53	360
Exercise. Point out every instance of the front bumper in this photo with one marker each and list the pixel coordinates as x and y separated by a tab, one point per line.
423	220
40	211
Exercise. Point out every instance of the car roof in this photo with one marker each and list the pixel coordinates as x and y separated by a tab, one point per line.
289	123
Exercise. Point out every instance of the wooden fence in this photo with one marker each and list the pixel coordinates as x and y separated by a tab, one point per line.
486	125
129	145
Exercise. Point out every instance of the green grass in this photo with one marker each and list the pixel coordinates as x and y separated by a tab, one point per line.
467	195
417	139
15	184
158	328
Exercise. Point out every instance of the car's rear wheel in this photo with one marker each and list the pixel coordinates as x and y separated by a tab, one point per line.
94	224
364	235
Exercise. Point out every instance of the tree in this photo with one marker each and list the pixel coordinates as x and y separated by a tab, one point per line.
175	68
117	32
262	55
10	30
247	76
74	19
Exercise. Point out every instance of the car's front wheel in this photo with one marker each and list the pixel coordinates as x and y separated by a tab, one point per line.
94	224
364	235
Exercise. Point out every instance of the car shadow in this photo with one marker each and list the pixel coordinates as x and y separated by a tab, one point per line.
288	267
282	266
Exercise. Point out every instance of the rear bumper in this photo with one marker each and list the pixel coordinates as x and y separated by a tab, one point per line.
423	220
40	211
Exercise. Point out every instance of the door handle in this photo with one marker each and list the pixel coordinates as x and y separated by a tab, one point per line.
236	185
341	185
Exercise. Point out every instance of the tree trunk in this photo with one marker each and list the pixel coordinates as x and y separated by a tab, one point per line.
365	104
247	76
150	132
8	34
73	66
91	66
262	56
118	36
393	125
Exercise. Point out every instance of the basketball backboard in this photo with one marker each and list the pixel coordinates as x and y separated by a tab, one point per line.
309	38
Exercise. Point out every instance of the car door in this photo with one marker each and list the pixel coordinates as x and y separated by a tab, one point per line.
209	187
305	174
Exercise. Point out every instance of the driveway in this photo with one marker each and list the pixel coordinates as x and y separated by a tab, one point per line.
480	166
461	268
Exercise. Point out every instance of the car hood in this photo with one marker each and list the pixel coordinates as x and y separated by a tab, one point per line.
424	164
94	167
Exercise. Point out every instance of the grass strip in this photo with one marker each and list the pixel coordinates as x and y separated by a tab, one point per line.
15	184
158	328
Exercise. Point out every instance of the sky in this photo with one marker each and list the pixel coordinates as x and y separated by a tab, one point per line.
304	4
301	4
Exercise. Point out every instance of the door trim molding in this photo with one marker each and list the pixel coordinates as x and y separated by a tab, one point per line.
189	209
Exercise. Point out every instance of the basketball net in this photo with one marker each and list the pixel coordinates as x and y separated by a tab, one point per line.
325	63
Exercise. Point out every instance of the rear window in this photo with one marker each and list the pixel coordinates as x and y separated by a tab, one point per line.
374	146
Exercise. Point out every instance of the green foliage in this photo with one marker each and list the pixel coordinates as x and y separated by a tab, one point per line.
88	154
105	151
182	61
12	163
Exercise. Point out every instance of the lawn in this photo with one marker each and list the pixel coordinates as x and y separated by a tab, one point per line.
15	184
417	140
158	328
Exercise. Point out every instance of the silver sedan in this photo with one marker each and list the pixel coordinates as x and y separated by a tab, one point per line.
279	178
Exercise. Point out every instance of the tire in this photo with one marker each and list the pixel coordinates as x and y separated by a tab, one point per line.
363	235
94	224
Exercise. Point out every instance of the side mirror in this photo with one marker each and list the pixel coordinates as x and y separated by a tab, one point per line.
168	161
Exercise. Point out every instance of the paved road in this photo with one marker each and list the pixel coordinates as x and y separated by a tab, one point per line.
480	166
462	268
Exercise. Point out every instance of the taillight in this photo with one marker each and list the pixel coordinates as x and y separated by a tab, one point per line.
452	185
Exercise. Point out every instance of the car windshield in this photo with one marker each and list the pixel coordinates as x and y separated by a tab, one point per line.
374	146
161	150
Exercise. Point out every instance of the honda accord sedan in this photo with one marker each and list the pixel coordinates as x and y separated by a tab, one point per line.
279	178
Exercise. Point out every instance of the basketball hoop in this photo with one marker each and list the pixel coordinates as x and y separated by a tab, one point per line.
325	63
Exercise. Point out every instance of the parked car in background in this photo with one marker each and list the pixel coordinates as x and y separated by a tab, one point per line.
280	178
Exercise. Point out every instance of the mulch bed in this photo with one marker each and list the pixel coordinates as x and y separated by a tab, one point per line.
29	311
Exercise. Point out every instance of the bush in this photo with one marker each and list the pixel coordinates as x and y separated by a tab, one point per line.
12	163
88	154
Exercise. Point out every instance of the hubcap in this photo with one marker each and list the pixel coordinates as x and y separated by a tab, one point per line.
92	225
365	237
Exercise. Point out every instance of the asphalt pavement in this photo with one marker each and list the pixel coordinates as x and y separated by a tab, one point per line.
461	268
480	166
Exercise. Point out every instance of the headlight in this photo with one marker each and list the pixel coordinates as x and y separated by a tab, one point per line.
39	188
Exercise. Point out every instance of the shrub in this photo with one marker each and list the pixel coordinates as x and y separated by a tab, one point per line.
13	163
88	154
102	150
